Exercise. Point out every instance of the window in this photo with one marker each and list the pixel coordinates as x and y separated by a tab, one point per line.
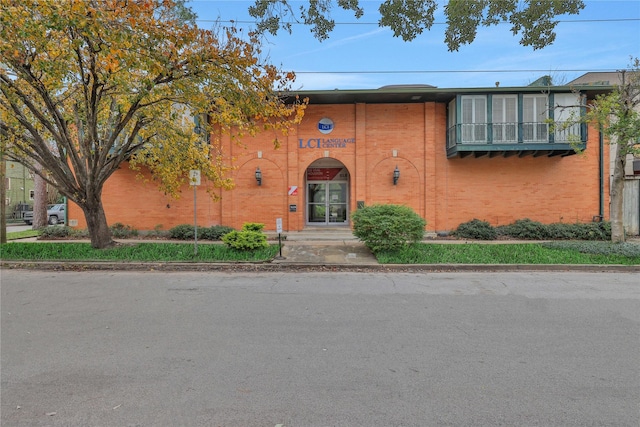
7	183
510	120
535	112
474	119
32	194
504	118
566	115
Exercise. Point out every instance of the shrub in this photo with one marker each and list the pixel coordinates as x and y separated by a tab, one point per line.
214	232
563	231
182	232
187	232
121	231
525	229
61	232
387	227
158	231
245	240
252	226
55	232
476	229
578	231
595	230
249	238
79	234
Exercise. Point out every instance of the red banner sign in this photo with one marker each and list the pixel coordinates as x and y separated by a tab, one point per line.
325	174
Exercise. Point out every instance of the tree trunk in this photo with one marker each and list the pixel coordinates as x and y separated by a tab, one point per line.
617	190
97	225
3	195
40	217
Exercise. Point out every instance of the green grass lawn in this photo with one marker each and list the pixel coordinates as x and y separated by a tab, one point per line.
14	235
422	253
135	252
527	253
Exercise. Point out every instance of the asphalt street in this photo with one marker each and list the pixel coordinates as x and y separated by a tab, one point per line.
287	349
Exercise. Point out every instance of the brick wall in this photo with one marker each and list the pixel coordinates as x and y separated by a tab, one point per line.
412	137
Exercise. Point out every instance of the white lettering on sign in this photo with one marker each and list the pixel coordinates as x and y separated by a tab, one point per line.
326	174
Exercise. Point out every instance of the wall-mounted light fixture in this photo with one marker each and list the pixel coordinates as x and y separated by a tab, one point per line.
396	175
258	176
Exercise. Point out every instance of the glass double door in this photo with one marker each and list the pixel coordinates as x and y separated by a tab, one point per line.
327	203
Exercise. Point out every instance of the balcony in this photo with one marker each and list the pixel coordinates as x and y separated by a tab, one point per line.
522	139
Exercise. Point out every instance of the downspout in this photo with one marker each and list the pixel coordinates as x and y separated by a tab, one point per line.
601	174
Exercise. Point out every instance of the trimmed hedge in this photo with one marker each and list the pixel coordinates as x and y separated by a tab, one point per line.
387	227
187	232
214	232
527	229
476	229
61	232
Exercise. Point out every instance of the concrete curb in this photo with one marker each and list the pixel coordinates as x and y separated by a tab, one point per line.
305	267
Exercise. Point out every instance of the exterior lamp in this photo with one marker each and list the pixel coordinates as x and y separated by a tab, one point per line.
396	175
258	176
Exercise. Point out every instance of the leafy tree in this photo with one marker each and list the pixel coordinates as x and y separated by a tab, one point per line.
533	20
618	114
86	85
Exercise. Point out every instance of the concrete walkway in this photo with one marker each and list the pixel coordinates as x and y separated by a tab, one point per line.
327	252
323	246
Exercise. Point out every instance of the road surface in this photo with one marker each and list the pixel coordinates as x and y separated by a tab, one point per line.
319	349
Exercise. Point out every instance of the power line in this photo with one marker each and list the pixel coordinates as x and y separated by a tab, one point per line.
576	70
569	21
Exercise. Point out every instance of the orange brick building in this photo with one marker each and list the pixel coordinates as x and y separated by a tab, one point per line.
496	154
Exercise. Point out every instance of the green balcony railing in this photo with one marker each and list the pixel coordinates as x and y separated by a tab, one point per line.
515	133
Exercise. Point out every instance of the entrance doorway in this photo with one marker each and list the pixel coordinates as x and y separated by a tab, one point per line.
327	193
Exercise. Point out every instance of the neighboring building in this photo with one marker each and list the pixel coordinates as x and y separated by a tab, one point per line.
19	190
610	79
631	217
450	154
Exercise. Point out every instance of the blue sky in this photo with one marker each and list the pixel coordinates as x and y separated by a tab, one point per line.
361	55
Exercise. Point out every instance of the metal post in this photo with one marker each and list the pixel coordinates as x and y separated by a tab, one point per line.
279	231
194	179
195	222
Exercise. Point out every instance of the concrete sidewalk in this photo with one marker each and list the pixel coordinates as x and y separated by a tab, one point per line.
323	246
326	253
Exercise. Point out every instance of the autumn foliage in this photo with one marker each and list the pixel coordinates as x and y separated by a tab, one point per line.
88	84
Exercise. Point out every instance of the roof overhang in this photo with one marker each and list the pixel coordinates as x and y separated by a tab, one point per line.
421	94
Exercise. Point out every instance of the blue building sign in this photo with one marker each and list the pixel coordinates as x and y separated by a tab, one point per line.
325	125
